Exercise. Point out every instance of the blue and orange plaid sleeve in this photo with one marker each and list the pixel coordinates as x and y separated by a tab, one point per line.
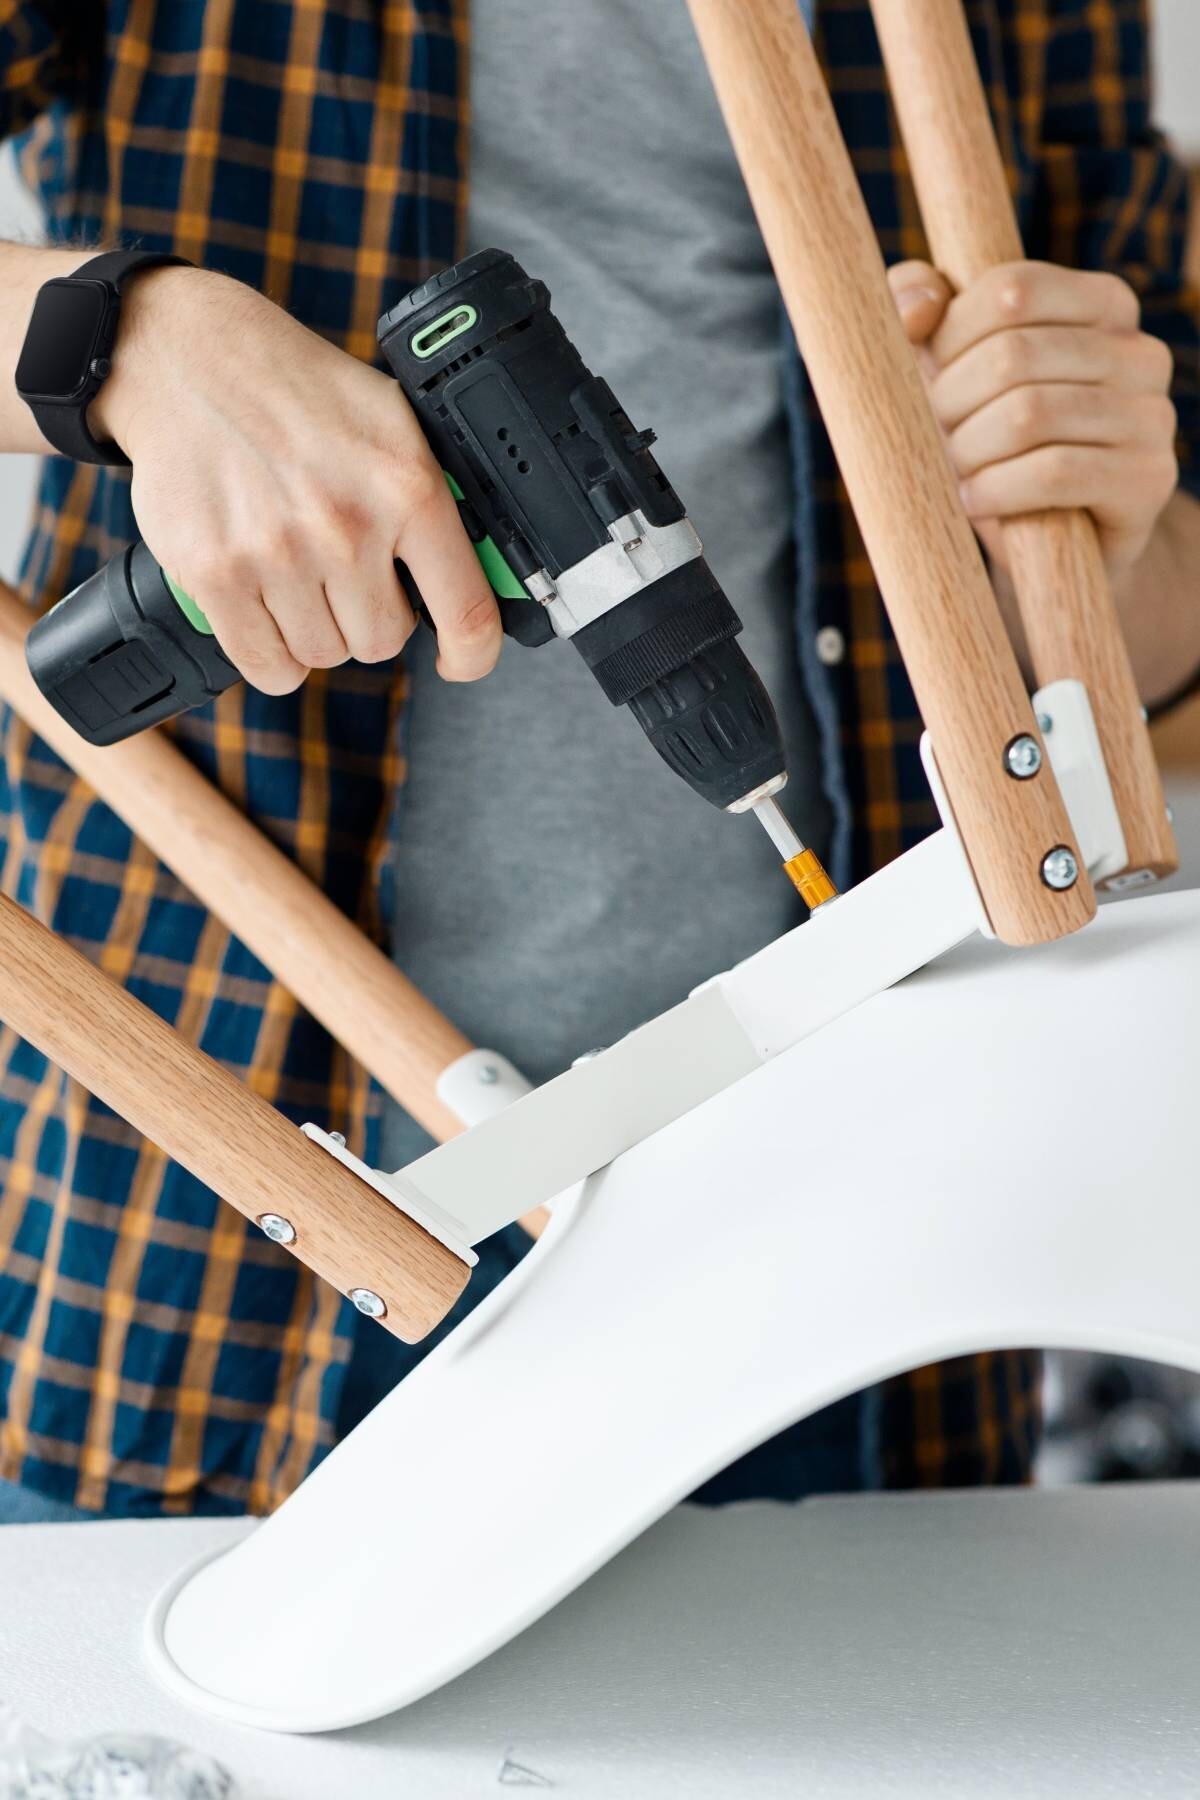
40	55
1109	193
155	1354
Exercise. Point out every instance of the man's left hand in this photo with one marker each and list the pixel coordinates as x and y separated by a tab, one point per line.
1049	395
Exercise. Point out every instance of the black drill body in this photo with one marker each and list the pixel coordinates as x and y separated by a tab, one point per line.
557	490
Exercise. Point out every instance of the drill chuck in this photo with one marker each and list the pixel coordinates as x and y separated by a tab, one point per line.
551	470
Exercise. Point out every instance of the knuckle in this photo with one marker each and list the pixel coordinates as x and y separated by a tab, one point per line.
1058	466
213	573
1017	289
1166	476
379	645
478	621
1120	298
1013	357
383	633
269	672
1162	419
277	679
1028	410
1159	359
277	544
417	488
381	649
316	649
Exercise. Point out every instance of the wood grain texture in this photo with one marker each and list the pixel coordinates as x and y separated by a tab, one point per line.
293	928
229	1138
1062	587
335	971
864	373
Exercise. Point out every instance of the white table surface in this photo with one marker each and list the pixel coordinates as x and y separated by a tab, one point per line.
958	1645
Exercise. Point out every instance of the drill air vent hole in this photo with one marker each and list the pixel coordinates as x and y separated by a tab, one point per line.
513	450
522	467
502	434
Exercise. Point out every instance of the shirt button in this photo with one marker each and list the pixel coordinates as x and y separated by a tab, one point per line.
831	645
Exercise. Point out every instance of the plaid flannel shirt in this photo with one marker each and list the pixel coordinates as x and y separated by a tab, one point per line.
156	1354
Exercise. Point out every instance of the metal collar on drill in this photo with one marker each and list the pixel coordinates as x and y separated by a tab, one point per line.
639	555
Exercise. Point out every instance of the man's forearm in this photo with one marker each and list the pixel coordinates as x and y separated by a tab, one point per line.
1159	604
23	270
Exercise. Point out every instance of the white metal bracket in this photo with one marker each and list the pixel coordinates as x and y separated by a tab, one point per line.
398	1193
525	1147
480	1085
1068	728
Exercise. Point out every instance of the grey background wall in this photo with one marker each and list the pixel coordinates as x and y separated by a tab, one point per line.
1178	58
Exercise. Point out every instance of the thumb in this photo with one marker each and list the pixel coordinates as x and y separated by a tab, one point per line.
921	296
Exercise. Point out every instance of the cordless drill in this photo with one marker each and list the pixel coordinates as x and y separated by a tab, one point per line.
575	525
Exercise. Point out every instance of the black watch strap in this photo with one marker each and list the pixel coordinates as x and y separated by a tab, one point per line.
65	423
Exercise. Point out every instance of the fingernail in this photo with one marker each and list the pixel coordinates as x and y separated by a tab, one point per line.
909	298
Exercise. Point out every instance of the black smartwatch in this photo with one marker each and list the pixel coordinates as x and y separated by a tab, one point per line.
68	350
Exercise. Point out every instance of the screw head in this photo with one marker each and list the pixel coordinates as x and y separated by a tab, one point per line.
1060	869
338	1137
1023	758
489	1075
369	1303
1045	724
277	1228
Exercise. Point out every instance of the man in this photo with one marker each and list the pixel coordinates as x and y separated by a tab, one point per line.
156	1354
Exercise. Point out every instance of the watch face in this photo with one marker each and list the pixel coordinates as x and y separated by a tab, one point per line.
61	341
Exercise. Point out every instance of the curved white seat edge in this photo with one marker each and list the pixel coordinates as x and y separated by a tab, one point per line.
1000	1152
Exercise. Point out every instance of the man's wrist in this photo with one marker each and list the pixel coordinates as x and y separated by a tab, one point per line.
149	320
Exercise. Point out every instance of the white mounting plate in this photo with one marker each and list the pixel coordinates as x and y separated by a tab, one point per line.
555	1136
996	1153
526	1146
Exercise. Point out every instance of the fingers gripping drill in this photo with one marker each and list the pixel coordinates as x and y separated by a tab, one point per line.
577	529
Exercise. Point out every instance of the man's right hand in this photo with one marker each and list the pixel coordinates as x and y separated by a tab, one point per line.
276	479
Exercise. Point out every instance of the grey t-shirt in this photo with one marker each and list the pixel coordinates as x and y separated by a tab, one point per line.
554	883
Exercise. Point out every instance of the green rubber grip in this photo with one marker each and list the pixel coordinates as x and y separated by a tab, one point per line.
188	607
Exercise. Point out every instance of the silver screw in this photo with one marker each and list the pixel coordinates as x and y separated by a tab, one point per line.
371	1304
1060	869
277	1228
1023	757
489	1075
1045	724
338	1137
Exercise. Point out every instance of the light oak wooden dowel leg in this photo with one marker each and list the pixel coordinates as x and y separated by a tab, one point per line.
863	370
1062	588
226	1136
310	946
308	943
